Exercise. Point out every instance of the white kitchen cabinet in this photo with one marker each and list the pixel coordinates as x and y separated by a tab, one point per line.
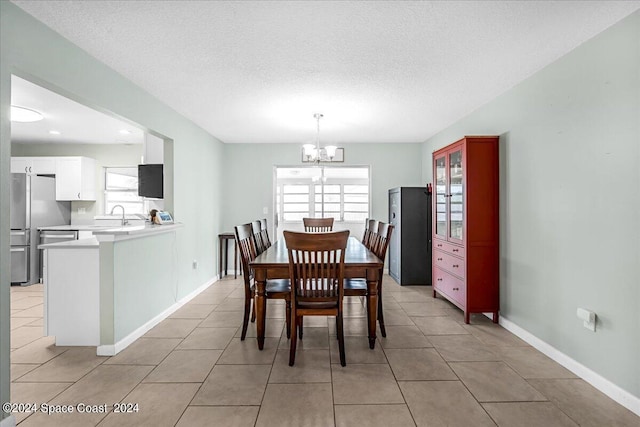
75	178
33	165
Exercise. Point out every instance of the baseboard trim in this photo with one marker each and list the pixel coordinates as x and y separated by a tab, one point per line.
10	421
616	393
113	349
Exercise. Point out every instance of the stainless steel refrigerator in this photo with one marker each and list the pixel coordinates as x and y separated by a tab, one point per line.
33	205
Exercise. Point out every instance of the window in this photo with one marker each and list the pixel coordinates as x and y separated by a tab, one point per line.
121	188
322	192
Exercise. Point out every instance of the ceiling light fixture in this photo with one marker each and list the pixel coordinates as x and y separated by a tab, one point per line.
315	154
24	115
125	132
54	132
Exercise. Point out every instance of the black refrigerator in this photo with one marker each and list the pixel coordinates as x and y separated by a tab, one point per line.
410	246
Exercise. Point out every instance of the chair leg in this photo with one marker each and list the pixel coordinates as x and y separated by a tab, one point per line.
300	325
292	343
288	317
253	310
383	331
245	320
339	324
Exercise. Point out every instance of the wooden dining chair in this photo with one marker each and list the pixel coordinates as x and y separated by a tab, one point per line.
358	287
371	228
317	225
316	270
256	227
275	288
264	234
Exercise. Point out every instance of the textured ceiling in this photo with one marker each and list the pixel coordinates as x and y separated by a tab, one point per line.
252	71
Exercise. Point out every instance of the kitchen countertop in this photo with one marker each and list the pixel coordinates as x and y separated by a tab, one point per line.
108	233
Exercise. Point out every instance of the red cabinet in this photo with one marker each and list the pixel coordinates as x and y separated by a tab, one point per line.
466	225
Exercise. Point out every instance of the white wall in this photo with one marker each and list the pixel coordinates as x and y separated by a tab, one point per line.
570	204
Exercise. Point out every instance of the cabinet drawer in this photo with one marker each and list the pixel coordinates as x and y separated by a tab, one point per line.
449	263
450	285
452	249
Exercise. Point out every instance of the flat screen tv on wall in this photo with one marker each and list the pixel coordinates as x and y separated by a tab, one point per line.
150	181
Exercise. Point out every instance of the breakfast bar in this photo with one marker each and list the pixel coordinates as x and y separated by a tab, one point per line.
97	301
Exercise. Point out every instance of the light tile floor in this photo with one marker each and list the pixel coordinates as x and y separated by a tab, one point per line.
193	370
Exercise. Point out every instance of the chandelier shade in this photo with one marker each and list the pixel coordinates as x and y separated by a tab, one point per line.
316	154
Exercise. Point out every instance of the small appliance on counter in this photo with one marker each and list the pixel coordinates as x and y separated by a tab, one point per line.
33	204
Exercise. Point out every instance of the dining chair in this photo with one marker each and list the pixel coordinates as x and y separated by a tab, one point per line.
371	228
264	234
317	225
256	227
275	288
358	287
316	270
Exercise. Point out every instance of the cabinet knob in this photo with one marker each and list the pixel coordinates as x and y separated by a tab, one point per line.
439	245
455	265
455	250
455	289
439	279
439	259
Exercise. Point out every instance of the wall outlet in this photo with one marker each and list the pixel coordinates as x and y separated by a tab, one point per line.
195	264
265	210
82	211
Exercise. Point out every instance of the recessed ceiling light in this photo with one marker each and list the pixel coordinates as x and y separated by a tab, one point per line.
125	131
54	132
24	115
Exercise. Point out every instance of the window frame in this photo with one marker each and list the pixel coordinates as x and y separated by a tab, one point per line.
107	191
279	184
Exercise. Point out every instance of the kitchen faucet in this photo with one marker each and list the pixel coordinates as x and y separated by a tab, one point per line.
124	221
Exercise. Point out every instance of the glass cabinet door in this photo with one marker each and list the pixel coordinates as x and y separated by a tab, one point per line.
440	168
456	195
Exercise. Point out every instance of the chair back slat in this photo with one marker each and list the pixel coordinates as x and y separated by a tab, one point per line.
317	225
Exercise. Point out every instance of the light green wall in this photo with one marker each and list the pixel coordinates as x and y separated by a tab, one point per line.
105	155
33	51
570	204
136	277
249	175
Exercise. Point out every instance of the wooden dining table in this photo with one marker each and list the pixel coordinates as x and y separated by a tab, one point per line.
359	262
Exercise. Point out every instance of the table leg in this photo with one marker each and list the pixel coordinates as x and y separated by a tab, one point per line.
219	257
235	259
372	305
261	304
226	255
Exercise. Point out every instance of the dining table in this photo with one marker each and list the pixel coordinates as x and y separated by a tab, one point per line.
359	262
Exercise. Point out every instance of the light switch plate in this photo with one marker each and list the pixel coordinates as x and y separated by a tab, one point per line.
265	210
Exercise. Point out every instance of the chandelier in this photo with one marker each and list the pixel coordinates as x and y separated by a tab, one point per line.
315	154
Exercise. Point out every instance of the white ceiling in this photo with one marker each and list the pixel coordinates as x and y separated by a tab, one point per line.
381	71
76	123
